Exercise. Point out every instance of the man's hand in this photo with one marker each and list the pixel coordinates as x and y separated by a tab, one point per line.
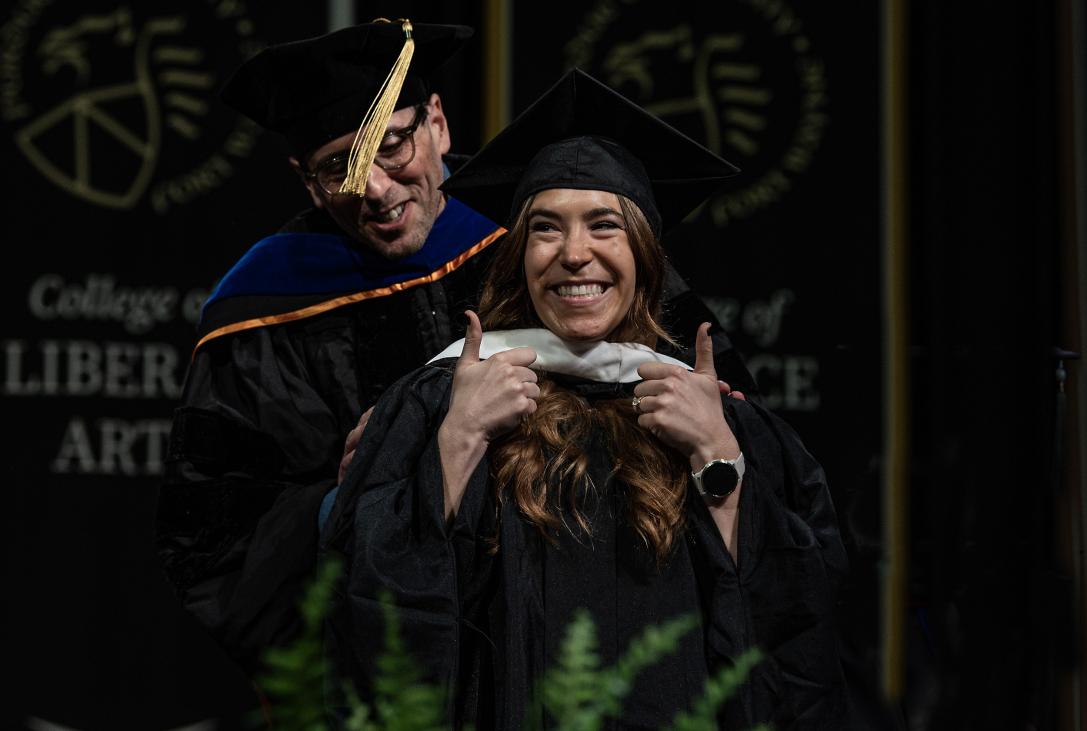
353	438
726	390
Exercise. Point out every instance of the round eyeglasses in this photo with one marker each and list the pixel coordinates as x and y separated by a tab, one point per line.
397	150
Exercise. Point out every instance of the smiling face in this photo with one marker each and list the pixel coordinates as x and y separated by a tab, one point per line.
394	217
579	266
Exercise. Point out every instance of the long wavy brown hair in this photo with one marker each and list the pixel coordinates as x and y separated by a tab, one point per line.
542	464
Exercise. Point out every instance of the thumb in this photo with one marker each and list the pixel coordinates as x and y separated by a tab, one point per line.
473	336
703	346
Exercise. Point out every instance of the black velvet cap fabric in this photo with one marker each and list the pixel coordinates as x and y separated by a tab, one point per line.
583	134
318	89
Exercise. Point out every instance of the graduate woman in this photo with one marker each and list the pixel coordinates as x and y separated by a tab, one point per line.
552	460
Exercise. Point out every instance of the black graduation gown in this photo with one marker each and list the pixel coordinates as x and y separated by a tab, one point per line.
485	626
258	440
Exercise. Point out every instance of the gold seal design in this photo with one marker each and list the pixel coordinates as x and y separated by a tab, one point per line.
744	80
115	108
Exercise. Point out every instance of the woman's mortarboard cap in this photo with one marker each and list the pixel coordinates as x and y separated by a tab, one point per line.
317	89
583	134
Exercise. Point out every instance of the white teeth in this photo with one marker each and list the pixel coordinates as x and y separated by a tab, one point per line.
579	290
391	215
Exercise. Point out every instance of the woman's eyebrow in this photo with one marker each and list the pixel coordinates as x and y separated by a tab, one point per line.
602	211
545	212
594	213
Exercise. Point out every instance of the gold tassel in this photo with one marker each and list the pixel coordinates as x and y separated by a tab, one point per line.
372	129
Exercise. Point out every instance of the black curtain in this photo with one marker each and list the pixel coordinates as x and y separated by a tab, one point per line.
989	613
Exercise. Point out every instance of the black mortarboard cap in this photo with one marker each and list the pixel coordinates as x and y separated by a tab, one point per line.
583	134
318	89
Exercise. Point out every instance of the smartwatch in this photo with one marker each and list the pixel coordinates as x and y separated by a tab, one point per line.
719	478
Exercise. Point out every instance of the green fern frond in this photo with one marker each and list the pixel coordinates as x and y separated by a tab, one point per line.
293	676
570	688
359	719
578	693
654	643
403	702
719	688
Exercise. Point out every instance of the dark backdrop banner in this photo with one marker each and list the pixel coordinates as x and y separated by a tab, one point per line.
130	189
788	256
992	588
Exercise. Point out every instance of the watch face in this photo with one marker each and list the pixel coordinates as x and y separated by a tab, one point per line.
719	479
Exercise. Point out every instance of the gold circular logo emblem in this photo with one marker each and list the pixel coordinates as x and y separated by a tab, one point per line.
114	105
750	86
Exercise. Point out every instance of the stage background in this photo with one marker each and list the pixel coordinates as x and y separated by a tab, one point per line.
130	189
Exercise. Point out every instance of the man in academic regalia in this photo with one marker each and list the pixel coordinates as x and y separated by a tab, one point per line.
313	323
